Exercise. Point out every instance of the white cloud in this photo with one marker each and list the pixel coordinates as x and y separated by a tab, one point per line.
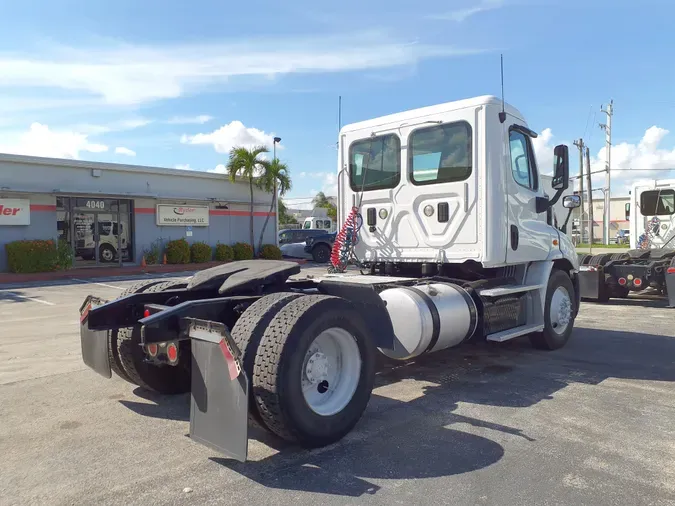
41	141
125	151
314	175
190	120
631	163
115	126
128	74
231	135
219	169
183	166
461	15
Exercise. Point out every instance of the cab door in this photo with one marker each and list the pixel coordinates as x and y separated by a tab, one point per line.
529	236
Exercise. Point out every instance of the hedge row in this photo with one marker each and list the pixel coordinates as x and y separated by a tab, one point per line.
38	256
47	255
180	252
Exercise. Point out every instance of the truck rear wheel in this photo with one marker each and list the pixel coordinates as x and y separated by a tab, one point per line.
163	379
558	313
314	370
247	333
113	355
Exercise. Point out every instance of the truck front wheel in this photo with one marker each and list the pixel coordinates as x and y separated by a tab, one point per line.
314	371
559	313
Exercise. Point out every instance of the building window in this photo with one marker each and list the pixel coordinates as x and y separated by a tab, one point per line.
440	154
657	202
375	163
523	167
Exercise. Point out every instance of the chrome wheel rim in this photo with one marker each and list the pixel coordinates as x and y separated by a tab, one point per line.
560	312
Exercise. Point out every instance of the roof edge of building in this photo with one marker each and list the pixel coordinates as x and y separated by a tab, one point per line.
119	167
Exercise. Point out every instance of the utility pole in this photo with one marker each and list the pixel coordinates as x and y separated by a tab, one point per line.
580	144
590	197
607	127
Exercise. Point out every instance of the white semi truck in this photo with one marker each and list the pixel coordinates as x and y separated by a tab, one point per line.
443	211
650	263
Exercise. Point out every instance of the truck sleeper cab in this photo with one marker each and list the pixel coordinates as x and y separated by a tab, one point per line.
459	247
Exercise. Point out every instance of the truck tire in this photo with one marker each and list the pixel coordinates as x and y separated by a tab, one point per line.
164	379
321	253
601	259
106	253
558	313
247	333
584	258
314	343
113	355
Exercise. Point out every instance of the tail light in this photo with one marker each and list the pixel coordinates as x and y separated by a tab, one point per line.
172	352
637	282
671	270
152	350
622	281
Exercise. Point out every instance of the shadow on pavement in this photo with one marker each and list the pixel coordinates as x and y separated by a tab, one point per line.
423	437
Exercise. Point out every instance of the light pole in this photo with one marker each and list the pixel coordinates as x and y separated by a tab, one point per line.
276	200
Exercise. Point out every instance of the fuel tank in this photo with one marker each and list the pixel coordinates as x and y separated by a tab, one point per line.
428	318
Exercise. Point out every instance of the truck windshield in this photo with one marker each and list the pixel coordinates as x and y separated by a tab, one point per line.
657	202
375	163
440	154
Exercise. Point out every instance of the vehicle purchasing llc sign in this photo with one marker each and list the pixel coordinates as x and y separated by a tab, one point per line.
196	216
14	212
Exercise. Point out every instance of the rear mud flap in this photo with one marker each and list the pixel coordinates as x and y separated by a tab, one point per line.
94	343
592	284
670	287
219	399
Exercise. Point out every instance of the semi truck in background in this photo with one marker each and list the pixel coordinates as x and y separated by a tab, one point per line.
454	239
650	263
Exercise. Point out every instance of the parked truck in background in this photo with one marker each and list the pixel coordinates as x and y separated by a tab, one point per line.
442	209
650	263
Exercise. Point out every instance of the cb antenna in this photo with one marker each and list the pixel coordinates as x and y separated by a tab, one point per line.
502	115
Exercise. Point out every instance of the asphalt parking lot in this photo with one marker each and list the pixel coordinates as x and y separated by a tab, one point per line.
502	424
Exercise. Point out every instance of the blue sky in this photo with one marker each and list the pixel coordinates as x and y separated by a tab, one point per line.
177	83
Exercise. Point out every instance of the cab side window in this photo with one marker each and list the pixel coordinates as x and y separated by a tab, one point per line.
523	166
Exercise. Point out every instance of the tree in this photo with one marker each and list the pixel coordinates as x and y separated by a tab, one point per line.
275	179
284	217
246	163
324	202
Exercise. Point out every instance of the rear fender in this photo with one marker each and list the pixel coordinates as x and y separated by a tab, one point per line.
369	305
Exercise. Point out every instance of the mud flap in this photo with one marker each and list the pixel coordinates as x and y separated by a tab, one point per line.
670	288
592	283
94	343
219	398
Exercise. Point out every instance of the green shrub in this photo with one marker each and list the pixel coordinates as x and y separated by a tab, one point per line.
64	255
224	253
243	251
177	252
32	256
153	255
200	252
270	252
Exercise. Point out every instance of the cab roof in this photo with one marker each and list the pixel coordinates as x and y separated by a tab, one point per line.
401	117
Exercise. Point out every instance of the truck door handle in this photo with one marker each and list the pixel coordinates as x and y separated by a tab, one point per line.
514	237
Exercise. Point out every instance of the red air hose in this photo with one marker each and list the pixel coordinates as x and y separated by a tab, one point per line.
344	240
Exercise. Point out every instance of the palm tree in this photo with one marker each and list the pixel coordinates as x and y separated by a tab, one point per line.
246	163
275	179
324	202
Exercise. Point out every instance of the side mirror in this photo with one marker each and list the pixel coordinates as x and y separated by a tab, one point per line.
628	212
561	168
571	201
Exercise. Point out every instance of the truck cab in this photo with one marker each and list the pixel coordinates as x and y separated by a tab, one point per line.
449	183
652	215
